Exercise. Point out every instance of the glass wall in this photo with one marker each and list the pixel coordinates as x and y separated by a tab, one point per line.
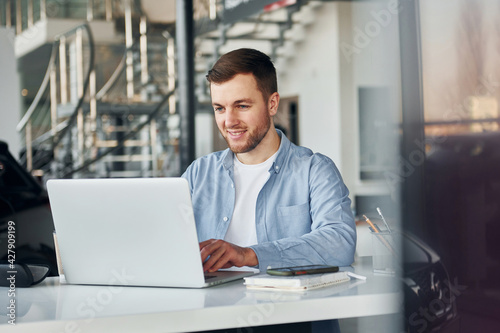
461	93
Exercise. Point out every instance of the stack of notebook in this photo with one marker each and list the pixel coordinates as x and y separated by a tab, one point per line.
298	282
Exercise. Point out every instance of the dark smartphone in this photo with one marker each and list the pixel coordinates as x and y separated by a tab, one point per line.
301	270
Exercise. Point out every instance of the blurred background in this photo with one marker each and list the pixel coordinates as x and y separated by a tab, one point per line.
402	95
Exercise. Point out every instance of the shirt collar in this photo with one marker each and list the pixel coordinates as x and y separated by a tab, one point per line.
227	157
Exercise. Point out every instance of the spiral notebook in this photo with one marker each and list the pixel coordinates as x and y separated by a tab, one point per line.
296	283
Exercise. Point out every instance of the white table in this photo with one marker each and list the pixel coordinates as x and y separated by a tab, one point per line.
55	307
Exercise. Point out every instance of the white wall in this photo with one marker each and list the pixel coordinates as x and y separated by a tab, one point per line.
369	57
10	106
325	76
312	73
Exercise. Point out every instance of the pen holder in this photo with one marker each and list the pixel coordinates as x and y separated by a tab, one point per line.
386	252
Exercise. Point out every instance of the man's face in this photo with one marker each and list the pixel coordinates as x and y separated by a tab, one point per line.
241	113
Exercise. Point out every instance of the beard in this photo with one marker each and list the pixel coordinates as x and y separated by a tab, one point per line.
253	140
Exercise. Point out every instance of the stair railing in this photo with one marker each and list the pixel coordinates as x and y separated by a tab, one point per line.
24	14
51	128
120	144
67	131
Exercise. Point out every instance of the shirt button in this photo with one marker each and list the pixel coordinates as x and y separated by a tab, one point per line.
276	167
232	185
225	219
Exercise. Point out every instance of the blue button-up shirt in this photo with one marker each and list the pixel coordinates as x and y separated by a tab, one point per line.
303	212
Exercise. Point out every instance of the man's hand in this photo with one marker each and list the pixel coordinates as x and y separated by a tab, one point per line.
224	255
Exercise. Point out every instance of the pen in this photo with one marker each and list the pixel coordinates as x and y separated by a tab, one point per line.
372	225
383	219
356	276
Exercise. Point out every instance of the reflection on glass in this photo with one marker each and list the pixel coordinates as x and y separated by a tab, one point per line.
461	85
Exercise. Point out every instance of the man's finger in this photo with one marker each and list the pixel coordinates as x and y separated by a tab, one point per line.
208	247
205	253
215	256
205	243
221	262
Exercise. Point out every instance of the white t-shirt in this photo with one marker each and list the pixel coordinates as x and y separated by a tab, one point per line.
248	181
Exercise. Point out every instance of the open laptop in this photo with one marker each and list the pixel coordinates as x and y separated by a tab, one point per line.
136	232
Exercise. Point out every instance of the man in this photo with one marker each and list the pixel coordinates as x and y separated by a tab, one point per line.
264	201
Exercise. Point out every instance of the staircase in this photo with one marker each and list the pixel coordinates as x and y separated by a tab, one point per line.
87	120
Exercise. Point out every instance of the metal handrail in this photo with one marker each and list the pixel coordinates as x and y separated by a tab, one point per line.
126	137
73	116
116	74
36	115
99	95
29	113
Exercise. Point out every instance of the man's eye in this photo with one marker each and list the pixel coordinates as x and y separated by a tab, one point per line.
218	109
243	106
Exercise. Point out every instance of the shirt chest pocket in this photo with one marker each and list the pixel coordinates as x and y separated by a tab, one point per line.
294	221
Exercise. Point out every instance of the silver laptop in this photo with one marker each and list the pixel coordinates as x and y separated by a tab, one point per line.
136	232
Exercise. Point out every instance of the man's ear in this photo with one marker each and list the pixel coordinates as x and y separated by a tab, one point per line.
273	103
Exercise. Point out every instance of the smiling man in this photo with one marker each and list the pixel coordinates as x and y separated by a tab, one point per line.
264	201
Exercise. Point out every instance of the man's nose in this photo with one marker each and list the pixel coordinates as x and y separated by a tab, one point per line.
231	118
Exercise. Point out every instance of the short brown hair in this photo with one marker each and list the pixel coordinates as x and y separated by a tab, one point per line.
246	61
